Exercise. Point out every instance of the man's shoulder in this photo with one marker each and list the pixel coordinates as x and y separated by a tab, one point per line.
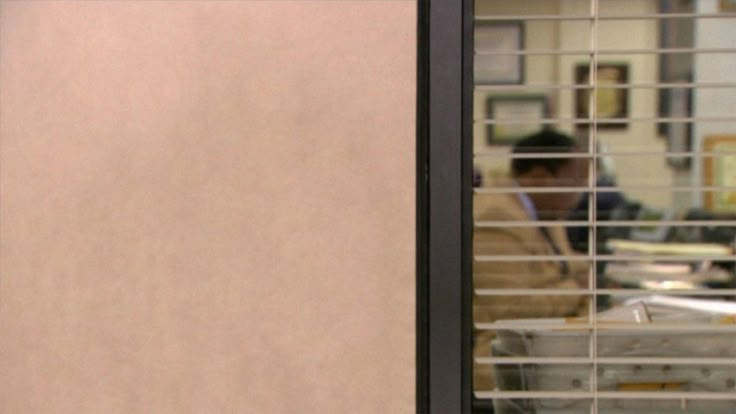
496	206
492	205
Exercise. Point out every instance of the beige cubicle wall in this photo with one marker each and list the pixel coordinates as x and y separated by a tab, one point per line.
207	206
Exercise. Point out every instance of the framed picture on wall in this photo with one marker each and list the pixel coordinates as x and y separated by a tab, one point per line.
718	171
514	117
728	6
611	98
498	58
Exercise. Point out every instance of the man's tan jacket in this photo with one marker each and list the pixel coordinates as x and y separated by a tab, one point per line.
519	274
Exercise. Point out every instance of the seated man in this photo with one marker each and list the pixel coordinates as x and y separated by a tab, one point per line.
545	239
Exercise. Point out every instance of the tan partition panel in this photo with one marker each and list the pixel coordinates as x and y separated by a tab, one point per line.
207	207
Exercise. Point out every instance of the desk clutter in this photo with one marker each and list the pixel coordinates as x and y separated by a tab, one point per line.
643	354
665	266
643	348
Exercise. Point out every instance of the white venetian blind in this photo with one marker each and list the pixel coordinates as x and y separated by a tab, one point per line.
641	317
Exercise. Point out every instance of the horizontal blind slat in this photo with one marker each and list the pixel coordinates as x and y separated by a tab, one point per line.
586	17
608	52
683	85
607	223
612	328
623	395
591	292
592	156
612	189
605	360
605	121
603	257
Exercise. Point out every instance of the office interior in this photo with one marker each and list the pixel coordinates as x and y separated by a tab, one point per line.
671	169
664	139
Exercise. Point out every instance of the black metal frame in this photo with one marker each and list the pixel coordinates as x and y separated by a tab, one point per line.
444	206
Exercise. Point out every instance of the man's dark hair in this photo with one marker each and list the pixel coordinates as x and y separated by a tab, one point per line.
547	142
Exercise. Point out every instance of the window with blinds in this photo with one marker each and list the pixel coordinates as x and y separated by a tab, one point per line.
604	206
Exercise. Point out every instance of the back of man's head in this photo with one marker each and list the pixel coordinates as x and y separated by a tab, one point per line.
545	142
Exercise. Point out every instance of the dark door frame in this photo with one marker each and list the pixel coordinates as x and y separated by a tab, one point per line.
444	206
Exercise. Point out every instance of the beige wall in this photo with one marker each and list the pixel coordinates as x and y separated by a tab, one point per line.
712	102
207	206
643	69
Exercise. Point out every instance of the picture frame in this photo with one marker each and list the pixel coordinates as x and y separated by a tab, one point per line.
728	6
718	172
514	117
612	102
498	58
